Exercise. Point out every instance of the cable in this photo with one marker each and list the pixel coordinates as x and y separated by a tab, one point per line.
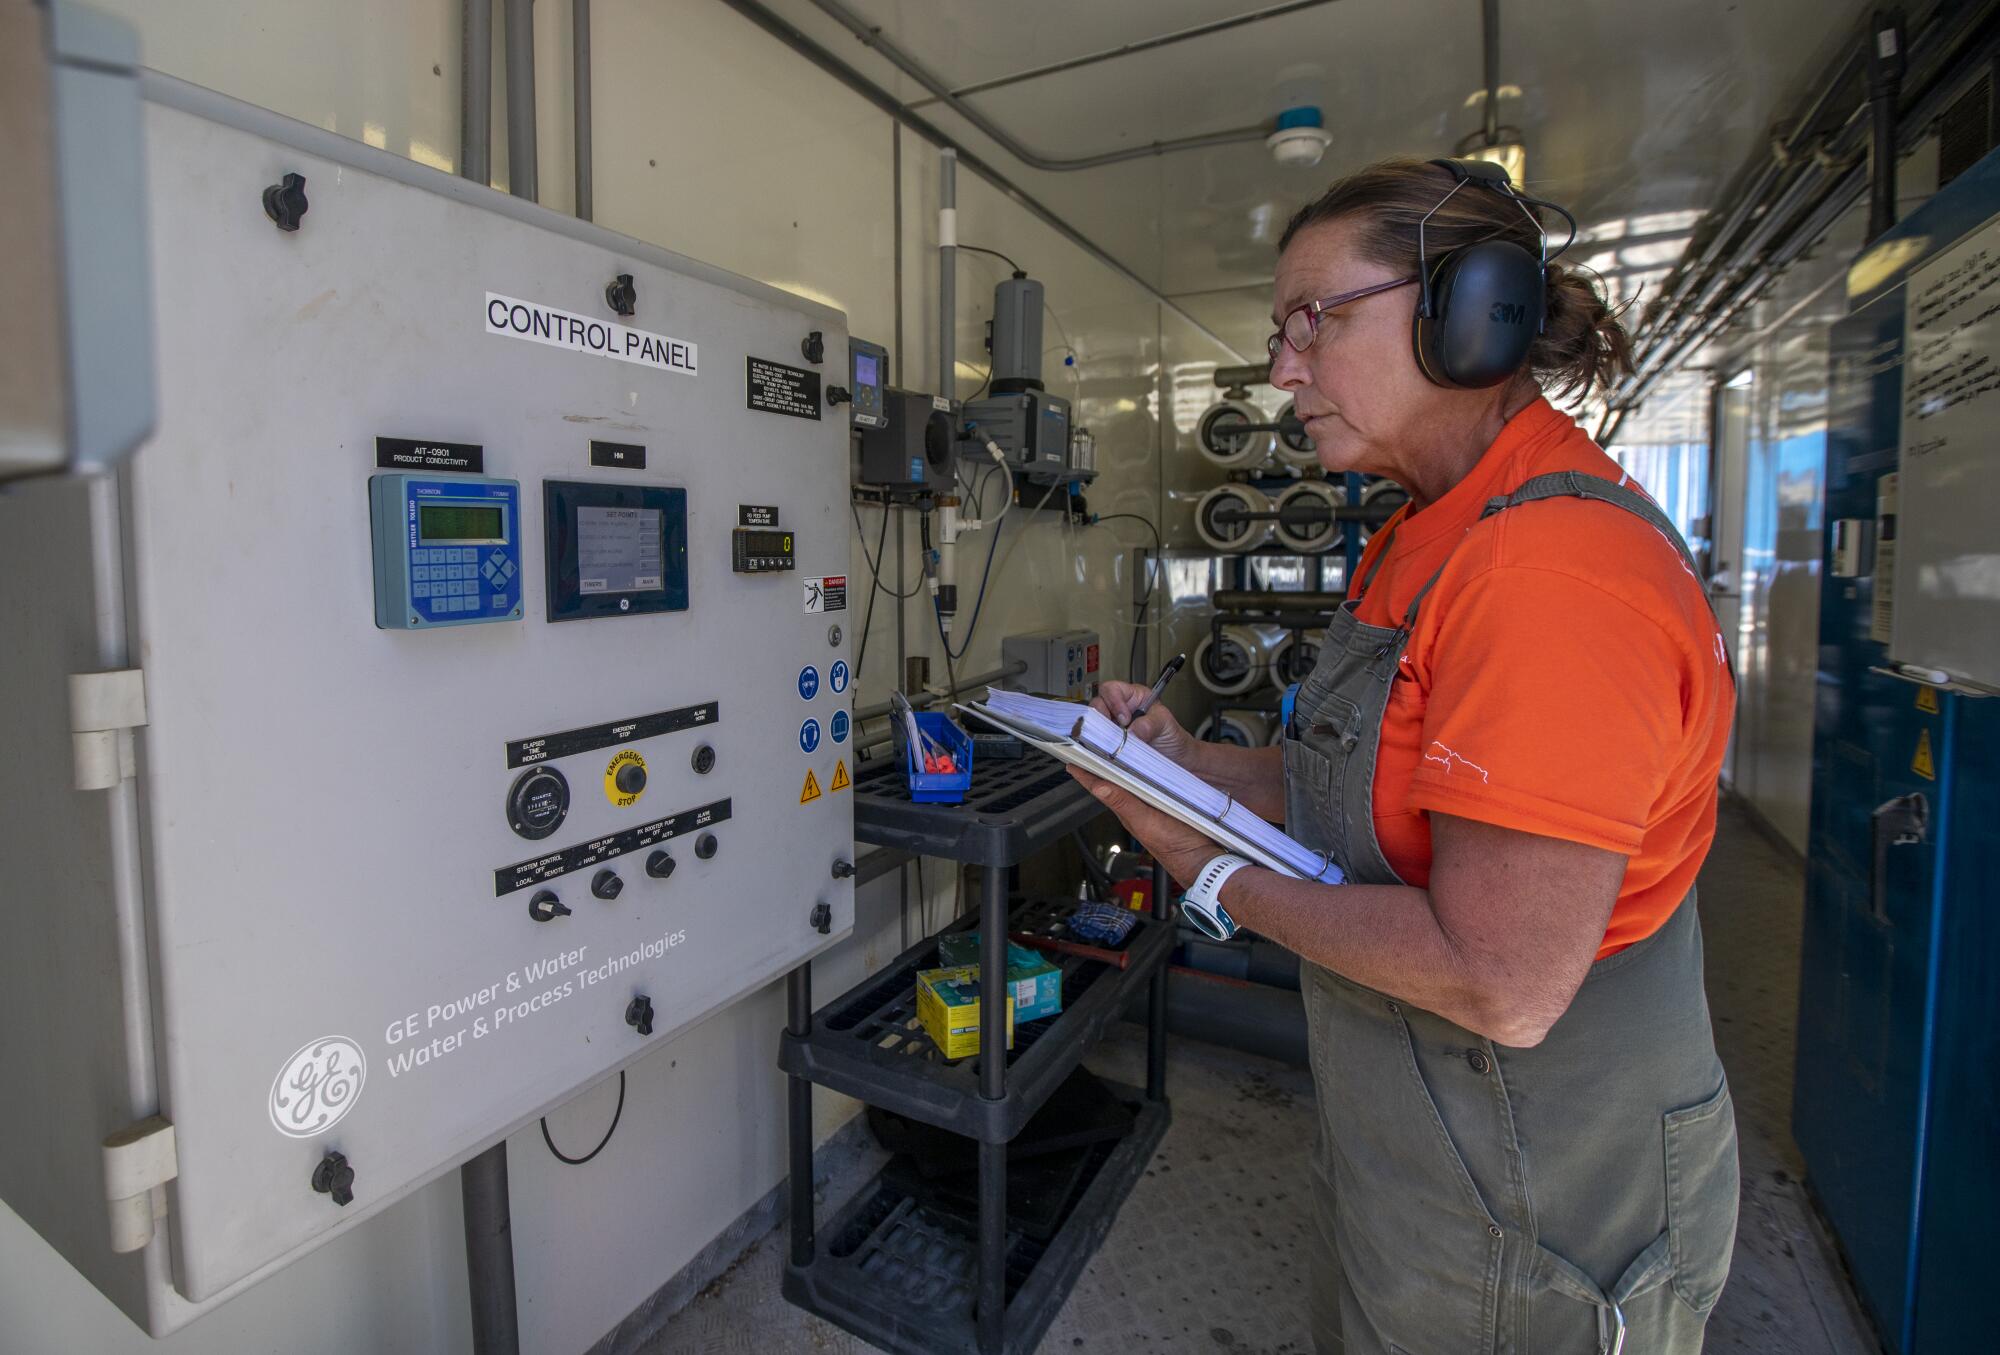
1019	271
615	1115
875	565
1139	625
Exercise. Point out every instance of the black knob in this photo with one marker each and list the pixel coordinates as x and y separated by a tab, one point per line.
639	1014
704	846
606	884
704	760
631	779
546	907
621	295
822	918
814	348
838	395
660	865
285	201
334	1177
842	869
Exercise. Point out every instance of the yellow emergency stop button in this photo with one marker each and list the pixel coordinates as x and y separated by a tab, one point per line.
625	778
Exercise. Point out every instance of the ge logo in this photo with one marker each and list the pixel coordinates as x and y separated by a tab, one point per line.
624	604
317	1086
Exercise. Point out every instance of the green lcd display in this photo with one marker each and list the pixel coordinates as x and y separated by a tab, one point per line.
459	522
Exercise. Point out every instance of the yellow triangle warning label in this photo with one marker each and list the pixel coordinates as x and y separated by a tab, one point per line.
1923	764
810	791
1927	699
840	781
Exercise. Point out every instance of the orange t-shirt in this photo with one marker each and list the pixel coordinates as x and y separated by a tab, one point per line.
1565	676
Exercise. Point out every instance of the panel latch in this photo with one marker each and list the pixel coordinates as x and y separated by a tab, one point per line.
138	1163
104	709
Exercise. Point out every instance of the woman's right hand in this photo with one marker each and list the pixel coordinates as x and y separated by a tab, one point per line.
1157	726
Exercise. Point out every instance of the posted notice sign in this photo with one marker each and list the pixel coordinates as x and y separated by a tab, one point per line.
530	320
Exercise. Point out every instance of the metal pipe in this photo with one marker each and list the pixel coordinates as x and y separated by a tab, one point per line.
521	181
1489	14
947	281
1256	600
475	93
1130	48
489	1253
871	36
795	38
580	96
1885	87
880	862
798	1120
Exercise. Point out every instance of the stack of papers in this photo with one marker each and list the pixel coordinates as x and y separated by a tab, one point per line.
1088	738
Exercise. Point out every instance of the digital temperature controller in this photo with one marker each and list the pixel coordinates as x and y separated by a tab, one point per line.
447	551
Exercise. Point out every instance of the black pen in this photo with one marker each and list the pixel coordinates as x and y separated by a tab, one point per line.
1159	685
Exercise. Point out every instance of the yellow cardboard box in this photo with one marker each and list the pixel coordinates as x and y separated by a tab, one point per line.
948	1007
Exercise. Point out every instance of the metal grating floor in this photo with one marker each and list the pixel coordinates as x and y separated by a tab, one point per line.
1228	1184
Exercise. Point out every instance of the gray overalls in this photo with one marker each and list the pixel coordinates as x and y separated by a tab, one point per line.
1578	1196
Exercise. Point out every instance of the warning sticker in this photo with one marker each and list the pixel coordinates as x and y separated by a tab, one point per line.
1923	764
1927	699
810	791
828	594
840	779
778	389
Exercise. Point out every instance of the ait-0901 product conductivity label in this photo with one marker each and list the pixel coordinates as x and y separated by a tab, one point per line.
530	320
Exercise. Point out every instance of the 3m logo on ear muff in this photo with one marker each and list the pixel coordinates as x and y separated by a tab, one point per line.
1507	313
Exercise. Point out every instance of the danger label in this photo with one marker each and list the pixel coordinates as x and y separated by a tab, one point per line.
840	778
810	791
828	594
530	320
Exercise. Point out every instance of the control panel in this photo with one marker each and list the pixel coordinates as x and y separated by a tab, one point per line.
1060	663
868	379
400	893
447	550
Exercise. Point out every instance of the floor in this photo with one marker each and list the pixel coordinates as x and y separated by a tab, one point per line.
1226	1184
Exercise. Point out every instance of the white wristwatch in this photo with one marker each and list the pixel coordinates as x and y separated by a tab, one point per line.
1201	906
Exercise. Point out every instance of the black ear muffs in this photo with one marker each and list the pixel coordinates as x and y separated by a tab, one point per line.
1479	315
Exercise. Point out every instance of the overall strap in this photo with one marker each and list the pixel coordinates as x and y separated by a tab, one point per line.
1570	484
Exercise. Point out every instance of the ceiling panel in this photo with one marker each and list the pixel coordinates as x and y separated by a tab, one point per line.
1628	109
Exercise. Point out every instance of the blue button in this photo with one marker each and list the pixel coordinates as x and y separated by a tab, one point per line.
836	676
808	736
506	568
420	557
420	574
838	725
461	571
420	589
465	588
440	606
808	684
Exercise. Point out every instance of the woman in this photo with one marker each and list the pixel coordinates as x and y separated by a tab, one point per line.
1510	745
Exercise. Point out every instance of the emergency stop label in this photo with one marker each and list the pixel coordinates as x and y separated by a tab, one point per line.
515	319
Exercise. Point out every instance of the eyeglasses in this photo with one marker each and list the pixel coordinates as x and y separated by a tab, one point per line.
1301	324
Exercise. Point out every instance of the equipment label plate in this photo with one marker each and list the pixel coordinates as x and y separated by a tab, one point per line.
536	323
520	875
525	752
619	455
778	389
756	515
412	454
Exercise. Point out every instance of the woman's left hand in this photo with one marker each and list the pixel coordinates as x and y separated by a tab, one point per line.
1173	844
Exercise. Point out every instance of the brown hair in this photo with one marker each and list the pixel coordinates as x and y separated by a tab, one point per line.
1583	345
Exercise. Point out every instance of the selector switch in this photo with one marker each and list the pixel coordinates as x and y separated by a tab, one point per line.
537	802
606	885
660	865
546	907
704	846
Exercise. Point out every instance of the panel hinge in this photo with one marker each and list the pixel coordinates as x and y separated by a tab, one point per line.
138	1163
104	709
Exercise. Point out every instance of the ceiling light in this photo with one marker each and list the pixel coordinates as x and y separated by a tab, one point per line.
1301	138
1511	156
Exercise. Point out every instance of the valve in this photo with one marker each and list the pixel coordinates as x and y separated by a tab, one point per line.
285	201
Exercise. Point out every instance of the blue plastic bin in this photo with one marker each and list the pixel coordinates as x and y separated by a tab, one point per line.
937	788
